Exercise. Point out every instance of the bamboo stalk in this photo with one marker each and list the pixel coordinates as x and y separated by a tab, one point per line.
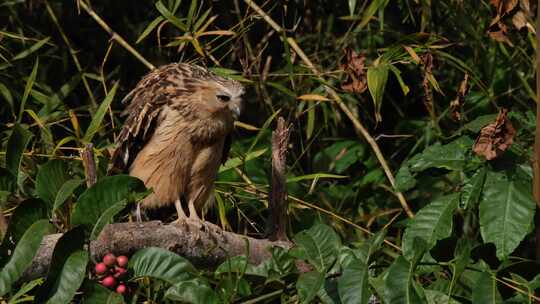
115	36
358	126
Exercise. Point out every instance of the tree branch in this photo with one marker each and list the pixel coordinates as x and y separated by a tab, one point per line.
203	245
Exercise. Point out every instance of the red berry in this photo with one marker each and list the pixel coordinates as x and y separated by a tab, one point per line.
109	282
100	268
121	289
120	272
109	259
122	261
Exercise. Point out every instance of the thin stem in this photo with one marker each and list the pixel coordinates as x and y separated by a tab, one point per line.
115	36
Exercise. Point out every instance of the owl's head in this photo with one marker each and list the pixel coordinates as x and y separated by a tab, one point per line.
213	95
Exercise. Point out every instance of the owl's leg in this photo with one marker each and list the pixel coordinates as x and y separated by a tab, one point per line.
192	212
179	210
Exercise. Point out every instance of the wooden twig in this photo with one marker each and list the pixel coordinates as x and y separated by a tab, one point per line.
89	163
3	224
536	157
277	200
203	245
358	127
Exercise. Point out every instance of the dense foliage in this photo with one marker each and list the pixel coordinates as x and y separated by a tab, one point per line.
373	89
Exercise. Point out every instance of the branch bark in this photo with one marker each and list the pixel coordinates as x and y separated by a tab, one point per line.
89	164
203	245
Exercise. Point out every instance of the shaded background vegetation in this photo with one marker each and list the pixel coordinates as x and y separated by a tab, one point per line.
57	65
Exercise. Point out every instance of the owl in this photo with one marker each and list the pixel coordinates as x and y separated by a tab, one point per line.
177	133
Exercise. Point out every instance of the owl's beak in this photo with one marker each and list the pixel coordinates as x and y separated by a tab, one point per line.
236	111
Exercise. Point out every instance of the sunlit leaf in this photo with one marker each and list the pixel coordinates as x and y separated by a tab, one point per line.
377	76
97	120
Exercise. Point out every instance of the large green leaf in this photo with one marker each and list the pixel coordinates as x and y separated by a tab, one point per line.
17	142
65	191
50	179
97	120
453	156
107	218
193	291
23	254
398	287
485	290
472	189
431	223
437	297
70	278
377	76
161	264
94	293
404	179
319	245
239	264
71	242
353	283
308	285
101	196
507	210
26	213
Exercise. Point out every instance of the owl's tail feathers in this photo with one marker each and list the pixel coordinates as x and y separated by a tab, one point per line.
119	156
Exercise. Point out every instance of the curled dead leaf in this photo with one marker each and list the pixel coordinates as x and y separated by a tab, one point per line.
354	67
496	137
498	32
456	104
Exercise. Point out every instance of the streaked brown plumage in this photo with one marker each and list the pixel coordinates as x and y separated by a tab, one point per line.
177	133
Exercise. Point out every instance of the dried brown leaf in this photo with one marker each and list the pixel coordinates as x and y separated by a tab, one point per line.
354	67
498	32
496	137
456	104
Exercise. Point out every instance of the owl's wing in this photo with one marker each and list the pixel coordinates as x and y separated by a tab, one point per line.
146	102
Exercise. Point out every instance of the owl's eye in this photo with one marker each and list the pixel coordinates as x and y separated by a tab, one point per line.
224	98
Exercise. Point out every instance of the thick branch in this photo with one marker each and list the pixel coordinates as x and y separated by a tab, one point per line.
205	246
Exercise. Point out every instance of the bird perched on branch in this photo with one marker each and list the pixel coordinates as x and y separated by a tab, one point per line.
177	133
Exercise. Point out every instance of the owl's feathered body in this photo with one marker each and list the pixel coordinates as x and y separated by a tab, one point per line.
177	133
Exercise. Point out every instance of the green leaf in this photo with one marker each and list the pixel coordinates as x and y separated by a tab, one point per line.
97	120
313	176
453	156
98	198
193	291
507	210
402	84
107	218
239	264
26	213
320	245
472	189
71	278
485	290
65	191
232	163
17	143
36	46
6	93
308	285
149	28
70	243
404	179
377	76
28	88
373	7
398	285
170	16
353	283
479	122
161	264
437	297
23	254
50	179
431	223
18	297
94	293
352	7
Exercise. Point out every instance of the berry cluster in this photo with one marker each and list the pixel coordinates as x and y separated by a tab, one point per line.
112	272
